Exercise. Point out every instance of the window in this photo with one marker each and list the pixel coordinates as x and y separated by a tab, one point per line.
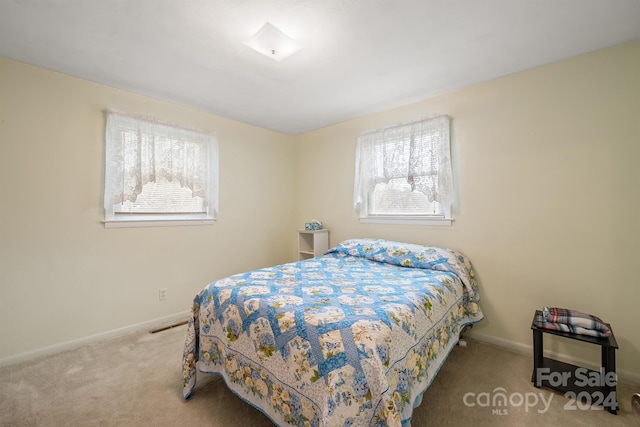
158	174
403	173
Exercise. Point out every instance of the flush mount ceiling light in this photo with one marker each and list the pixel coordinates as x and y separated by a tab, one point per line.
273	43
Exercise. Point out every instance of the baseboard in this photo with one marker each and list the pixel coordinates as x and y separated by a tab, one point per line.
103	336
623	375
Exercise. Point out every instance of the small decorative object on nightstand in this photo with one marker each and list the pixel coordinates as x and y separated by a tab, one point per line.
313	225
583	386
312	243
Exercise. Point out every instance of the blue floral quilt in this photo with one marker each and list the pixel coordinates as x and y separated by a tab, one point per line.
353	337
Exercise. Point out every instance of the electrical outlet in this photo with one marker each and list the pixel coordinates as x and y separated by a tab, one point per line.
162	294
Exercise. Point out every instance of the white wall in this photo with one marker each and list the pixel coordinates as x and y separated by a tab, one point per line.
545	164
546	168
63	276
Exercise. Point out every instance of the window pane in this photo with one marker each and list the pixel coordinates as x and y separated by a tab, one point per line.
396	198
163	196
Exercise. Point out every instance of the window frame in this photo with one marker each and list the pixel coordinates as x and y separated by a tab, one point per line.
363	200
114	219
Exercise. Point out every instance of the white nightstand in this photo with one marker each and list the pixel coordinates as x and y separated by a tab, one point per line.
312	243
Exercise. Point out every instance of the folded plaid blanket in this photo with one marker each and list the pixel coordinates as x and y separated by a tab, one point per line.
565	320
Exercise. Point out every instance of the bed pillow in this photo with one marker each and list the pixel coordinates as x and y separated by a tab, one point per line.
410	255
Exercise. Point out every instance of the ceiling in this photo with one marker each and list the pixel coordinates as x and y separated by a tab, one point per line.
359	56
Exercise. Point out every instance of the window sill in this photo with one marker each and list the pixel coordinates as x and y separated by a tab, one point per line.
399	220
155	221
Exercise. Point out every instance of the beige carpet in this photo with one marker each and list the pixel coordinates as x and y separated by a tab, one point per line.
136	381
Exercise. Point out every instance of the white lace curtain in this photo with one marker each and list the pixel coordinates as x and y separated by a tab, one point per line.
140	150
418	152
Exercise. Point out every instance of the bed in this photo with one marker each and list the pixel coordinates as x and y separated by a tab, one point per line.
353	337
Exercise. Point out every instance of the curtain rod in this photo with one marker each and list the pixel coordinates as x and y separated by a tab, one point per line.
158	122
397	125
